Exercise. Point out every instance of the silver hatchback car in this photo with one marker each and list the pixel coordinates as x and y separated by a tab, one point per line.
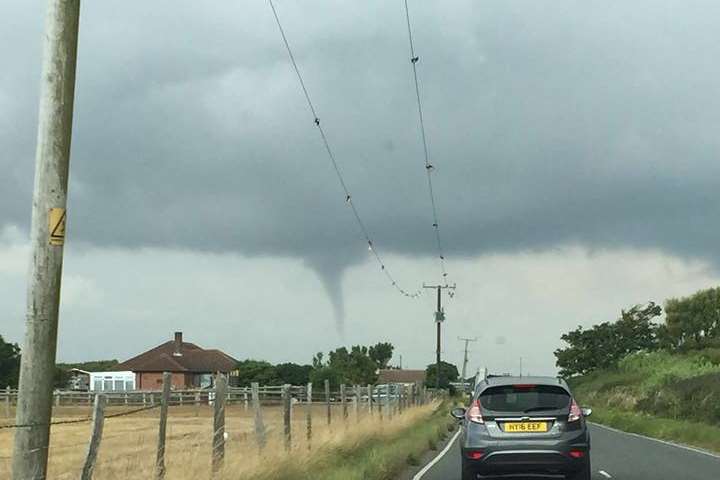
524	426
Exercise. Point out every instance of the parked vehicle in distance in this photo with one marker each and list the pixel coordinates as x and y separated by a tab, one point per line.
524	426
384	391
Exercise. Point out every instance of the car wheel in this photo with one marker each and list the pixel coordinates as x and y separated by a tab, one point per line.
585	473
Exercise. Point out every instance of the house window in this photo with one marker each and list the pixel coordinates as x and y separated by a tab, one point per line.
97	384
129	385
107	384
119	385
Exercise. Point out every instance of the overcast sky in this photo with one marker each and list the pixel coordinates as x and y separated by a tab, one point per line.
574	144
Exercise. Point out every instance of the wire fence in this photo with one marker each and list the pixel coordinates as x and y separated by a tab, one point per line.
203	426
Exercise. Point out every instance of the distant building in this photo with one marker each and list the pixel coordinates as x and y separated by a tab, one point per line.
116	381
400	376
79	380
191	366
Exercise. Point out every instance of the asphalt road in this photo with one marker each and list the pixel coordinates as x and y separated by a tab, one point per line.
617	455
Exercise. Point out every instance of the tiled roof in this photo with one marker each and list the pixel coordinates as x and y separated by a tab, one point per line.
193	359
401	376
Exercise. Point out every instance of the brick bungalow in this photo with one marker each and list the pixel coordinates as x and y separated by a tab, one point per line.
191	366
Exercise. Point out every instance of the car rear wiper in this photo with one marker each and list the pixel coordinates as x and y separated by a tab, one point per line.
535	409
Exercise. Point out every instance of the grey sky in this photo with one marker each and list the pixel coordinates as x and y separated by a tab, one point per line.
552	124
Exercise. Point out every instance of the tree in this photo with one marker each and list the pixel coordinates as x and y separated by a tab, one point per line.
692	322
257	371
9	364
293	373
448	373
605	344
357	366
92	366
319	375
381	353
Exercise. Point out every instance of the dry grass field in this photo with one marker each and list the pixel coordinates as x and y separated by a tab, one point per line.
129	443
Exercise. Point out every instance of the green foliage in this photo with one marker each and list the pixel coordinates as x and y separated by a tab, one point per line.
381	353
9	364
257	371
61	378
354	366
293	373
680	386
604	345
448	373
373	456
693	322
334	376
699	434
93	366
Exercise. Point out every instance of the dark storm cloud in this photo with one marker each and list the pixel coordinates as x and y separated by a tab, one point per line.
549	123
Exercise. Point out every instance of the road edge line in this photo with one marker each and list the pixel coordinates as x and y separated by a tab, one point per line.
664	442
437	458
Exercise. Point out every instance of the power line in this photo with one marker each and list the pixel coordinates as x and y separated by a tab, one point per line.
348	197
414	59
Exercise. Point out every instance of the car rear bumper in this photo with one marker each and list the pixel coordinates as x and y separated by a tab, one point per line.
513	462
549	456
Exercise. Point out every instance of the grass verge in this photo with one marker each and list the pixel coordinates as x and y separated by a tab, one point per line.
680	431
375	456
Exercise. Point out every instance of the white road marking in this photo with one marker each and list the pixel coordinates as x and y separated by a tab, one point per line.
664	442
604	474
427	467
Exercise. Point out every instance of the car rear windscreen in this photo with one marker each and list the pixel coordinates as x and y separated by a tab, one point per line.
524	398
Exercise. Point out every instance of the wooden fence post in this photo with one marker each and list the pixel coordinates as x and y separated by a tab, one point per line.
343	402
327	401
245	400
388	402
160	457
370	401
287	406
401	391
98	420
7	401
308	414
259	425
356	402
219	424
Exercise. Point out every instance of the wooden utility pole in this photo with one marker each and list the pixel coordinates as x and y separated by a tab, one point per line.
465	358
47	237
439	318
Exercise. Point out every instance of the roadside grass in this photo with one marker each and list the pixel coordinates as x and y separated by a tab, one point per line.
374	455
670	396
377	447
680	431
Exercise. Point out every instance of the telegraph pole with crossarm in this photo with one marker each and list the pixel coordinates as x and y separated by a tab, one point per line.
439	318
465	359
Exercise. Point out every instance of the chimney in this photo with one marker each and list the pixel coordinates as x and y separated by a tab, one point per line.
178	345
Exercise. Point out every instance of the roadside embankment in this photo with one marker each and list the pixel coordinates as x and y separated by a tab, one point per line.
673	397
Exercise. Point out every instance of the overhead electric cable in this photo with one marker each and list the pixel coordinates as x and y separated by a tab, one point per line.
348	197
414	59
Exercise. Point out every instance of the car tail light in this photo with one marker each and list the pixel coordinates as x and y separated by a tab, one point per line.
473	413
575	412
475	454
577	453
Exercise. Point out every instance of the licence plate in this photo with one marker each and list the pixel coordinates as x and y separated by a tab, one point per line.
526	427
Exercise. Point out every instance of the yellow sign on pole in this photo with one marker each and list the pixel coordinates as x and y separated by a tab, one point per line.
56	224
